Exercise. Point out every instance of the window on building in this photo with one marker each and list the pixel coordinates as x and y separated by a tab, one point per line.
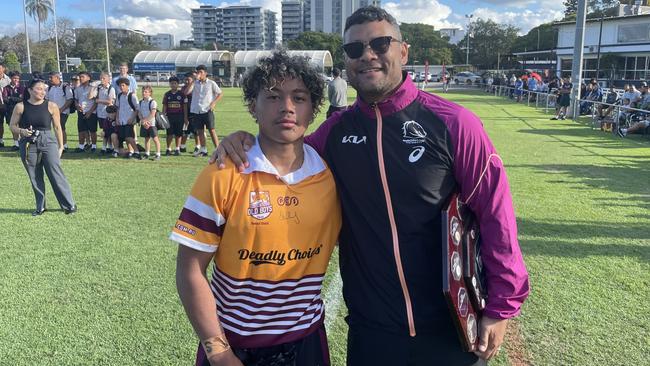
628	33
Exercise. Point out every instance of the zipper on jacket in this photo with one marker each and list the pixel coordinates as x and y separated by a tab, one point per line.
393	225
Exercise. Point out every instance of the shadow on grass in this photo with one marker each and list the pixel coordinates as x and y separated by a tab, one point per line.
15	210
625	178
569	229
558	248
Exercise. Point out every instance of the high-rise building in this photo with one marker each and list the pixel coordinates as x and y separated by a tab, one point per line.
292	19
234	27
207	25
318	15
163	41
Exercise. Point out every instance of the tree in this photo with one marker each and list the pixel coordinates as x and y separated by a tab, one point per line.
595	8
11	61
488	40
50	65
320	41
82	67
545	35
425	44
65	29
39	10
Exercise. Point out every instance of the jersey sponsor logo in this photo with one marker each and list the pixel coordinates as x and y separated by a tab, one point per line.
288	201
413	133
352	139
276	257
185	229
260	204
416	154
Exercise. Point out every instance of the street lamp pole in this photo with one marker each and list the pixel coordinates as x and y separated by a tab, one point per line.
108	56
56	39
469	26
29	55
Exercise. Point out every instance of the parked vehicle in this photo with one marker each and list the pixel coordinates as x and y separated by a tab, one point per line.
411	74
466	77
421	75
164	77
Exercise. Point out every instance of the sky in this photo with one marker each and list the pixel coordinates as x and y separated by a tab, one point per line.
173	16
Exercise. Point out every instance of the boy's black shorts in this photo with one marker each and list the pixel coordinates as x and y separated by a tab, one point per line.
64	118
124	132
176	123
203	120
86	124
150	132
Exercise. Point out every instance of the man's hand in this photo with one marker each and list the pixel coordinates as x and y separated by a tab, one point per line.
23	132
233	146
226	358
60	151
491	333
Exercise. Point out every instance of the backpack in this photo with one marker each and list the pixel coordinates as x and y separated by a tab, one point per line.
160	120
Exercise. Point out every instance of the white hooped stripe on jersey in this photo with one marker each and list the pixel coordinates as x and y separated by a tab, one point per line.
251	322
272	331
245	290
194	244
204	210
240	283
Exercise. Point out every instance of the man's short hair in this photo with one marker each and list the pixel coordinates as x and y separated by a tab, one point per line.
370	14
55	73
201	68
111	109
174	78
83	73
124	64
336	72
123	81
14	73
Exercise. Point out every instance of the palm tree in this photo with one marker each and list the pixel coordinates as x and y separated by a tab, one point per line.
39	10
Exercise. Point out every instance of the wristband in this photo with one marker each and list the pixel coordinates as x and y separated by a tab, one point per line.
215	345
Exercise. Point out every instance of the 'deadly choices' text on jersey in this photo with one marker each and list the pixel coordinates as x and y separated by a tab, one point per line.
272	237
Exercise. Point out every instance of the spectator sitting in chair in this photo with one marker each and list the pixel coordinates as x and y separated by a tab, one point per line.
594	94
604	110
632	94
644	104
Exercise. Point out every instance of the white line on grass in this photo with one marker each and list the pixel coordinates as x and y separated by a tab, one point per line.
332	299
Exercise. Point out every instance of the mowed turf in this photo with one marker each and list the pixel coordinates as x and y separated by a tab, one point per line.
98	287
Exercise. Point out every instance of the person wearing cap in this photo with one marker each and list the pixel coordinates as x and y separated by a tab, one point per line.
337	93
61	94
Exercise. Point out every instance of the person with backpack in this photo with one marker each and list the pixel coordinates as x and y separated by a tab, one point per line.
4	81
127	112
105	97
12	94
86	117
188	125
174	108
147	109
61	94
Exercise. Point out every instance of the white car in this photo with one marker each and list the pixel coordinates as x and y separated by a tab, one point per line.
420	77
466	78
411	74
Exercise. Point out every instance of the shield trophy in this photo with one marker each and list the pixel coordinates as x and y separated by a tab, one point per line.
462	280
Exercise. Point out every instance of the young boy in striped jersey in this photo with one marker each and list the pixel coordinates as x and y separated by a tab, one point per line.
270	232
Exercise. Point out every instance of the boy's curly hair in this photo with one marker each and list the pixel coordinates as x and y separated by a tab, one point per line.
279	66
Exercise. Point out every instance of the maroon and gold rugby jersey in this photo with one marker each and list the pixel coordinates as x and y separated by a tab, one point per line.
272	237
174	102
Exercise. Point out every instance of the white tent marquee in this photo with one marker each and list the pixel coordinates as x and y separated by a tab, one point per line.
320	59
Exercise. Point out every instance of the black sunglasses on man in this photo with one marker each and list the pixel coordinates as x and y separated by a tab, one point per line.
379	46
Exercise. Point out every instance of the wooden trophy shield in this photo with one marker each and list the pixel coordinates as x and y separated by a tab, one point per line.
462	283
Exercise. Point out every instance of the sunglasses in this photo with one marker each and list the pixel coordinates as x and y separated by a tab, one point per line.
379	46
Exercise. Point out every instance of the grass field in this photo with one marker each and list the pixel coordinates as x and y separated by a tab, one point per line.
98	287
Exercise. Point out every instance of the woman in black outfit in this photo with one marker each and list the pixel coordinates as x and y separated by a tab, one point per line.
32	120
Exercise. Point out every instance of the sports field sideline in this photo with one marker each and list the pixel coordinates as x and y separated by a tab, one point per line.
98	287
